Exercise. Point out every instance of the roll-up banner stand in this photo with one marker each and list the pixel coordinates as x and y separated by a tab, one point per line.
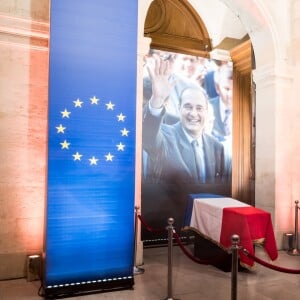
89	236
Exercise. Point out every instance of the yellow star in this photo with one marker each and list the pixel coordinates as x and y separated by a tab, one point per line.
121	117
124	132
109	157
120	147
110	106
60	129
93	160
65	145
94	100
78	103
65	113
77	156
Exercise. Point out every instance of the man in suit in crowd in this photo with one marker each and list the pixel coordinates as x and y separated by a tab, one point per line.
222	104
210	79
182	150
222	111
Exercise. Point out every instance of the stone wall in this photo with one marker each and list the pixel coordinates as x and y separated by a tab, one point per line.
24	33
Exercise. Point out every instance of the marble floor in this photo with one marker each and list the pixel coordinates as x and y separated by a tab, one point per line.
191	281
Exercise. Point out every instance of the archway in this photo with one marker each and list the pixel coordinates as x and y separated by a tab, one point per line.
258	25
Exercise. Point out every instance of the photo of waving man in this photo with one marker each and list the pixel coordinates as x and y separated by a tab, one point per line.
183	150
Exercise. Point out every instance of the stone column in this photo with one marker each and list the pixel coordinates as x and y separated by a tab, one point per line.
274	144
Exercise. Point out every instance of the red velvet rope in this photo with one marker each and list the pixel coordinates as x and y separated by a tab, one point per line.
273	267
185	251
196	259
149	228
216	259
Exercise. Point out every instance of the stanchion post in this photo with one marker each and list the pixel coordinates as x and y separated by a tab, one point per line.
234	265
170	229
136	270
295	251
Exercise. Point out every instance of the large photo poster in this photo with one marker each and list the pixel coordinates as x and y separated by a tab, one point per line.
187	134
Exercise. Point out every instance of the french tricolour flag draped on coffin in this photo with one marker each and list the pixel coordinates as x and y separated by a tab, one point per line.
91	156
217	218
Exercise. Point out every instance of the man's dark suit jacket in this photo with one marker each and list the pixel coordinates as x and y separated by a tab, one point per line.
172	156
209	84
218	130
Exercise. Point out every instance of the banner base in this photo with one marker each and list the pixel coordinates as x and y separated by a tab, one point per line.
85	288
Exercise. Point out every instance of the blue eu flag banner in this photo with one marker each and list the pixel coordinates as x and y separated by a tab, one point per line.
91	154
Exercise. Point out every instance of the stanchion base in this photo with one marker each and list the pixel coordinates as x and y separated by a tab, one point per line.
294	252
138	271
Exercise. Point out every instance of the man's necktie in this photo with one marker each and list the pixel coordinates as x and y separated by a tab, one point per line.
199	160
227	123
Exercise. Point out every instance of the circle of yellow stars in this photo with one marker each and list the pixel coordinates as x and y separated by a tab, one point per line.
66	145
